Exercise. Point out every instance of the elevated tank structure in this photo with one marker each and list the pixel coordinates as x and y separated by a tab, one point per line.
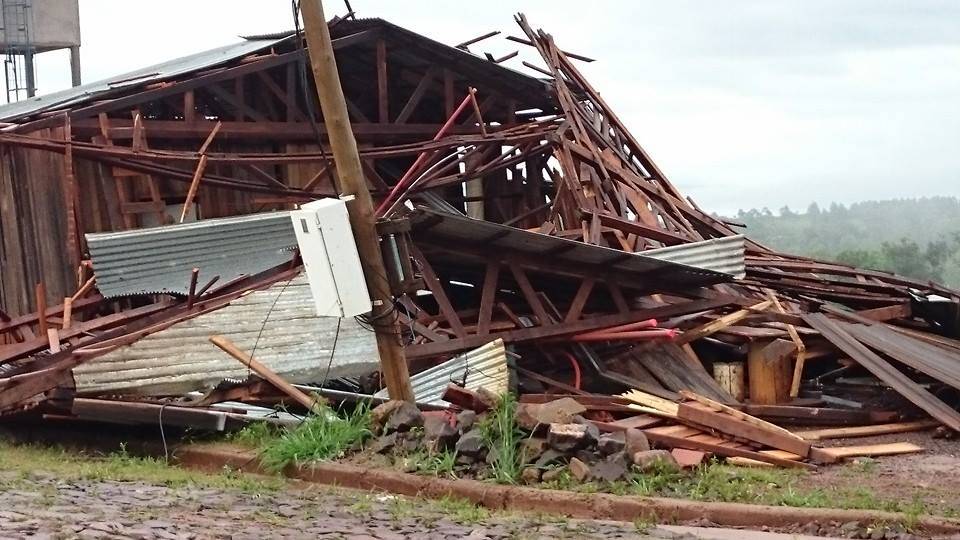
32	27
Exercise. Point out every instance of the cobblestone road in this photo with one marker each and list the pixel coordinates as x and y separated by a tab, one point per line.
38	505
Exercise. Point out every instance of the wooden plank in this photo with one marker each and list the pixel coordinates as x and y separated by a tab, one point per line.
882	369
720	450
740	415
649	400
737	427
718	324
819	415
880	314
264	372
885	449
867	431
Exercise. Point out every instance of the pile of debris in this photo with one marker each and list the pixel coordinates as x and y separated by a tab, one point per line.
534	247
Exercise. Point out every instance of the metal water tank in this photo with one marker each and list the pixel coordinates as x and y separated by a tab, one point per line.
31	27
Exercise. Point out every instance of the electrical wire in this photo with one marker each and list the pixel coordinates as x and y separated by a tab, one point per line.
305	88
163	436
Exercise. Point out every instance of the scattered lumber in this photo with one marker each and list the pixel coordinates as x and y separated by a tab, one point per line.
866	431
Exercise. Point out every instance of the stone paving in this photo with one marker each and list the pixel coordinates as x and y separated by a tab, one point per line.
38	505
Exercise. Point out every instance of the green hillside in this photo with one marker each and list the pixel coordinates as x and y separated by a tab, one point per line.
914	237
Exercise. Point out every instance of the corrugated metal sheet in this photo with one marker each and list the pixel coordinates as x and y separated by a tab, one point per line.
457	229
719	254
483	367
159	260
295	343
154	73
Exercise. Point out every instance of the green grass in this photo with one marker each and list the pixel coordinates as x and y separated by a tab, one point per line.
256	434
502	437
323	436
439	464
462	510
716	482
120	466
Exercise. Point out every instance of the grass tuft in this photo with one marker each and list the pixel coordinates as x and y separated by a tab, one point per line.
502	437
323	436
439	464
256	434
462	510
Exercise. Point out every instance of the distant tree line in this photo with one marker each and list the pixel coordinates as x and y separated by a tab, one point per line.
919	238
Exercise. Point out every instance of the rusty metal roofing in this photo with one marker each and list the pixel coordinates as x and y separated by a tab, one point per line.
483	367
718	254
160	259
294	342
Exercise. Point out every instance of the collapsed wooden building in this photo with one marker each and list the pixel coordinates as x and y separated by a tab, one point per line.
523	206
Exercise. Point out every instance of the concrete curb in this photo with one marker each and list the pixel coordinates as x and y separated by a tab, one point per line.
575	505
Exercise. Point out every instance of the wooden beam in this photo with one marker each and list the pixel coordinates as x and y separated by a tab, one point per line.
530	295
411	105
579	300
239	106
439	294
383	98
645	231
556	330
488	297
264	372
716	325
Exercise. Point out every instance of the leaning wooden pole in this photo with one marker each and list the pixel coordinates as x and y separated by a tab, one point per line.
362	219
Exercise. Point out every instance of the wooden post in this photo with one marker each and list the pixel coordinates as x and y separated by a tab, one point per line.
362	221
41	299
769	371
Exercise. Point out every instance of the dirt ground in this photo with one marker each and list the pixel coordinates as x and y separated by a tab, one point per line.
930	479
43	505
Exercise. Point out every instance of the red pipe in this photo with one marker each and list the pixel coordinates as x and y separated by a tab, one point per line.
576	369
649	323
407	176
639	335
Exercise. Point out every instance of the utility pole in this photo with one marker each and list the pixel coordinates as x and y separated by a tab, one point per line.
393	362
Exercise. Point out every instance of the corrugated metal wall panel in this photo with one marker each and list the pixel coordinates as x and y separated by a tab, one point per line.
484	366
159	260
294	342
719	254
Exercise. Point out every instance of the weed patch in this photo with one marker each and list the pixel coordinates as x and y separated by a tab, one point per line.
324	435
502	437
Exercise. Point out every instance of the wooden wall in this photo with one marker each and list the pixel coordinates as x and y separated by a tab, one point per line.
33	234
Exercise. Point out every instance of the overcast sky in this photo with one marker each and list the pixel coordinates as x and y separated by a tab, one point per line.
741	103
